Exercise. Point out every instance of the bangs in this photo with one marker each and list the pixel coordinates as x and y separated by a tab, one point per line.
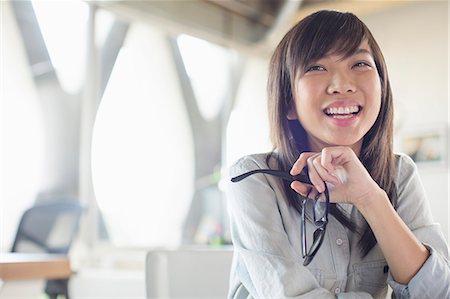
326	32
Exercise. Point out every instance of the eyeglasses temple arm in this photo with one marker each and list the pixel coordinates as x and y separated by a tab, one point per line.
281	174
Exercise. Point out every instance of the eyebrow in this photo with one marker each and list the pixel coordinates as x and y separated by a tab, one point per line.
359	51
362	51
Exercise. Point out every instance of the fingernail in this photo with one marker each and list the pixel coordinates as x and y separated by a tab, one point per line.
323	187
336	179
330	186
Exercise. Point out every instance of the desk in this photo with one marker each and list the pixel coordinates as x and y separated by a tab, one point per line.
16	266
24	275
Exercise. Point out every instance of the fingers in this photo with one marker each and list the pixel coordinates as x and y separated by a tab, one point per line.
320	169
304	190
340	168
326	159
334	160
313	170
300	188
301	163
309	159
313	194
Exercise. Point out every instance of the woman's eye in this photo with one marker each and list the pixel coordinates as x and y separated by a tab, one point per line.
314	68
362	64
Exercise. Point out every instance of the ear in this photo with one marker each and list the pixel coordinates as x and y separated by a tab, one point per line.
292	113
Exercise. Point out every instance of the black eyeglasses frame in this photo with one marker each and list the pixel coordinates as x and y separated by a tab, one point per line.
320	223
319	233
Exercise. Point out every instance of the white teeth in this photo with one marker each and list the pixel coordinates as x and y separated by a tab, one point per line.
342	110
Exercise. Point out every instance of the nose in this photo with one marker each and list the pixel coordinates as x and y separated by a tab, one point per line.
340	83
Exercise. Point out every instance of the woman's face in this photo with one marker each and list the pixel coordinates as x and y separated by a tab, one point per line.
337	100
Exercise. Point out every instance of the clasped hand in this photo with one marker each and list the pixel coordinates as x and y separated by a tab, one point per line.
340	168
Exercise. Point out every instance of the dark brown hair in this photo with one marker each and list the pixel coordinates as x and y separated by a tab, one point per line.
312	38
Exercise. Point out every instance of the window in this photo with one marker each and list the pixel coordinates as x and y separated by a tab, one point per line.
142	155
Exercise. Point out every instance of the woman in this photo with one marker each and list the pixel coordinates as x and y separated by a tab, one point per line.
331	117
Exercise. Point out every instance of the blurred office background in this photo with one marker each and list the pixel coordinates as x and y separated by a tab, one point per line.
137	108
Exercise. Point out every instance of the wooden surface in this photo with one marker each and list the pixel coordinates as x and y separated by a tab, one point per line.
17	266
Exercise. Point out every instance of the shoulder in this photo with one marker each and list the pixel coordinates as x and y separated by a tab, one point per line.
249	162
404	163
410	190
406	168
258	185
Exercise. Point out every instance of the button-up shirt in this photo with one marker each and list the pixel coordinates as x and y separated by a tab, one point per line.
268	263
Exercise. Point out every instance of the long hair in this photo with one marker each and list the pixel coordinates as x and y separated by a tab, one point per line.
312	38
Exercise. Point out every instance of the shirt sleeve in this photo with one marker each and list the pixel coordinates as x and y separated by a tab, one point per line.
432	280
436	266
267	264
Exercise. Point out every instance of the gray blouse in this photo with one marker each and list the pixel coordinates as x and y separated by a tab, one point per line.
267	260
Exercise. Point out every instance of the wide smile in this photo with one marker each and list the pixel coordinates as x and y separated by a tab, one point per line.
343	115
343	112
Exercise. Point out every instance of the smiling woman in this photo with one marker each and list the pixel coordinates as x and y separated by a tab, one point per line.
331	113
145	135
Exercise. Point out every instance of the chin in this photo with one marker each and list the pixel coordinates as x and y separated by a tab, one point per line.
350	142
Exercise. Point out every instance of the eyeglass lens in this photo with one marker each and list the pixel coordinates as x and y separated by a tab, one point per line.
320	207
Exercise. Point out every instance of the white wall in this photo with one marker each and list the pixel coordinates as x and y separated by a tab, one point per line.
21	134
414	40
248	128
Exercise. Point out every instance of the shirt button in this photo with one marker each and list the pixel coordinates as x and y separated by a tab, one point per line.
337	290
339	241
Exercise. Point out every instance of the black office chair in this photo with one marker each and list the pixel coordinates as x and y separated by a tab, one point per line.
49	228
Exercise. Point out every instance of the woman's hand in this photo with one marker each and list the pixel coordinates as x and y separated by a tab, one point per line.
347	179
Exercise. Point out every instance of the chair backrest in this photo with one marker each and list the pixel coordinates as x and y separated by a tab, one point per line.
48	227
188	273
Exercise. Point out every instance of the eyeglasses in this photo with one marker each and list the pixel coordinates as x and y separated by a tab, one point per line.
320	207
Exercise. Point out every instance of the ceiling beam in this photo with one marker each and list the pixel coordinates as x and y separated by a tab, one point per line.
249	10
358	7
198	18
